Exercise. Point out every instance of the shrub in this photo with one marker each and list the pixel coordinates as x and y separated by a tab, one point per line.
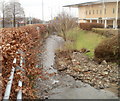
62	24
89	26
108	50
27	39
105	32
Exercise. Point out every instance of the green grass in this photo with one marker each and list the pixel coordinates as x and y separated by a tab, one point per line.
83	39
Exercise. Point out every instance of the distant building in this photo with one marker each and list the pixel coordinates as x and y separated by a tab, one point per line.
103	11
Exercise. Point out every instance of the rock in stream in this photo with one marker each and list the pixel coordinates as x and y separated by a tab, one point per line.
63	86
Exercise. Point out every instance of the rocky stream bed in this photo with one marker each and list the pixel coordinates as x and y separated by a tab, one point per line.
73	75
80	67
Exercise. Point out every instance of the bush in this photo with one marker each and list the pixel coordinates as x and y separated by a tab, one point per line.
89	26
105	32
108	50
27	39
62	23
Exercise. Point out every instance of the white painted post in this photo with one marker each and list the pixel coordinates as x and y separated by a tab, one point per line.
19	94
91	21
9	84
98	21
105	25
114	24
116	14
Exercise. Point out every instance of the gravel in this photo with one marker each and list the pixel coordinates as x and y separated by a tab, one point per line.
78	65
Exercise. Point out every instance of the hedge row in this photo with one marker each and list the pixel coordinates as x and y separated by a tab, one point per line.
89	26
109	50
105	32
28	39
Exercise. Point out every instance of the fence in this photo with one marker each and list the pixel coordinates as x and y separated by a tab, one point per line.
28	39
9	84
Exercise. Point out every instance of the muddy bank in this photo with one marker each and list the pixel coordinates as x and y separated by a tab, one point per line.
80	67
59	85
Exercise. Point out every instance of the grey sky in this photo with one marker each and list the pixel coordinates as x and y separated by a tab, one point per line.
33	8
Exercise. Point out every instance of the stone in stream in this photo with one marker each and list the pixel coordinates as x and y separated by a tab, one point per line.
63	86
86	92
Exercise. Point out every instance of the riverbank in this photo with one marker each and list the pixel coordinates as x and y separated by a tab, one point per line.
77	39
80	67
56	85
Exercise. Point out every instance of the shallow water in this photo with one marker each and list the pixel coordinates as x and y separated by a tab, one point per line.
64	86
52	43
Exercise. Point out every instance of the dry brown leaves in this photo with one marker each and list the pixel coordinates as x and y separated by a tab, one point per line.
27	39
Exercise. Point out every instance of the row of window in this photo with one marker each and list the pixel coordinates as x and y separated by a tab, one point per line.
89	12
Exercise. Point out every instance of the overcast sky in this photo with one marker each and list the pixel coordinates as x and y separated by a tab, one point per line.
33	8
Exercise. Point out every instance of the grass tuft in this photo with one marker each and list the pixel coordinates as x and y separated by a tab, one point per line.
78	39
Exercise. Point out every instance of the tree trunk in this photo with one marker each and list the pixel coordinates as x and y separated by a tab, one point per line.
119	46
64	35
14	17
14	21
3	20
3	17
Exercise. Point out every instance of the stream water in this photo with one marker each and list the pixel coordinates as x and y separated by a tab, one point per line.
62	86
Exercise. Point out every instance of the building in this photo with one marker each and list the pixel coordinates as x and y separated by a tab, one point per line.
103	11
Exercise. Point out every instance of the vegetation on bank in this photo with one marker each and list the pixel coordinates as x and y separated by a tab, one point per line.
108	50
86	37
78	39
22	42
89	26
105	32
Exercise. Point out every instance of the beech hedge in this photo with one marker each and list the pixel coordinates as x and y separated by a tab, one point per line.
108	50
27	39
89	26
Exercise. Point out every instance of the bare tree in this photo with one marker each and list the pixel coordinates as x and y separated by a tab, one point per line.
2	8
14	10
63	22
36	21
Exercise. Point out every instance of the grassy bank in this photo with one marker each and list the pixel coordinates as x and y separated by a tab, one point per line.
78	39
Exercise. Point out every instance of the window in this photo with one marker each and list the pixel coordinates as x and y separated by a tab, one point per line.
118	10
113	10
105	10
100	11
97	11
86	12
89	11
93	12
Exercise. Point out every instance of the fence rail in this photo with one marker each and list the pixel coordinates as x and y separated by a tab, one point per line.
10	82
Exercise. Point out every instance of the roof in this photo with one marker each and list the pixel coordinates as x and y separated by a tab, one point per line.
90	3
